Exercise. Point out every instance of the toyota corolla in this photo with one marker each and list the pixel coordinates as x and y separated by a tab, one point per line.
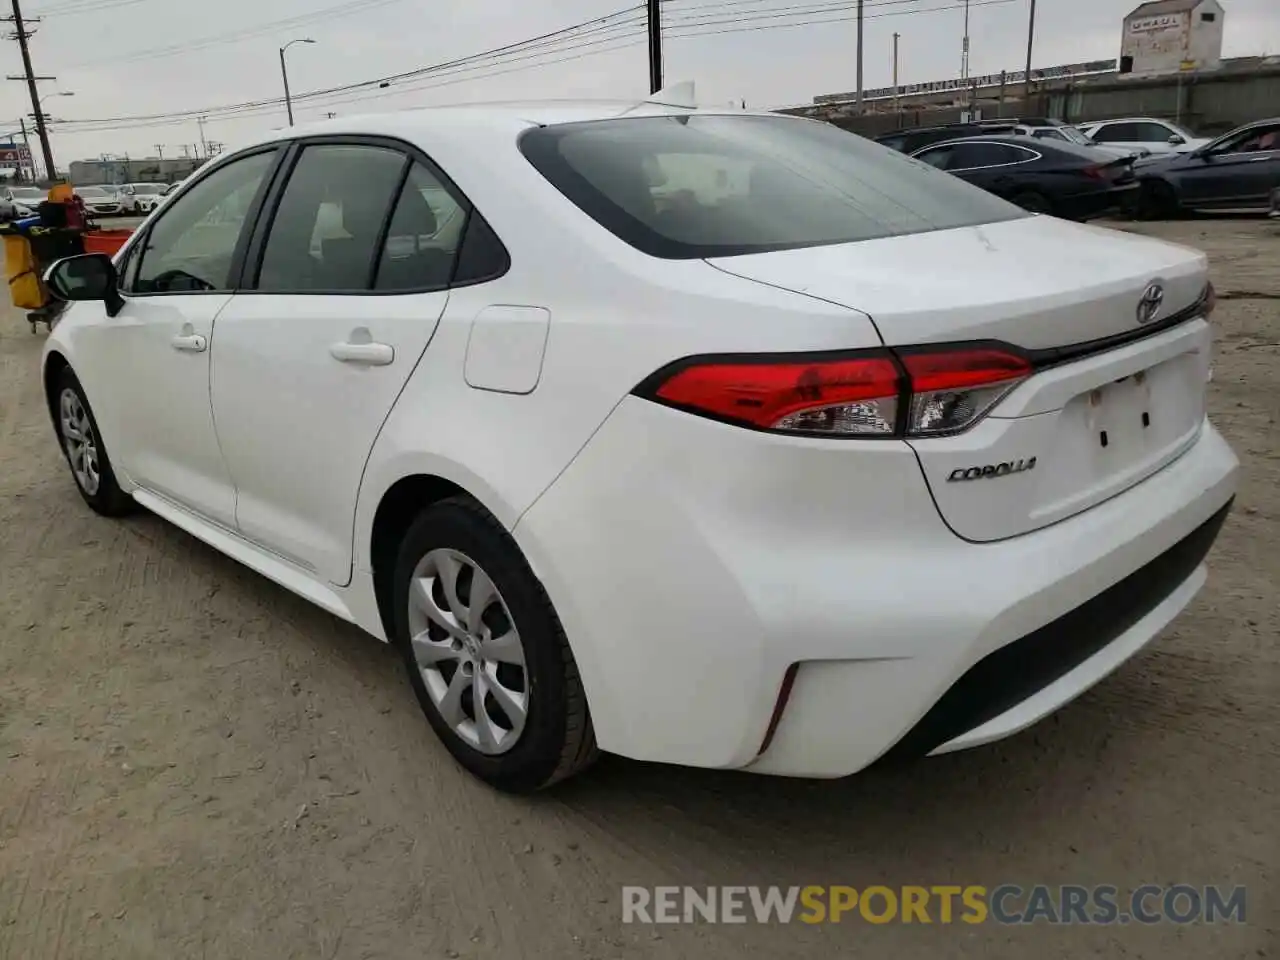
705	437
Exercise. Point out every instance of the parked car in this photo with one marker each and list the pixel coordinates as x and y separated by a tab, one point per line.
1237	171
137	199
17	201
822	456
1041	176
917	138
1146	133
100	201
1057	130
171	188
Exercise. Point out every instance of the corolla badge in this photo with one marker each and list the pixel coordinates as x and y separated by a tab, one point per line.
1150	304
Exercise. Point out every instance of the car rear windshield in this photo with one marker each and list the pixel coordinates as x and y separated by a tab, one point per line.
706	185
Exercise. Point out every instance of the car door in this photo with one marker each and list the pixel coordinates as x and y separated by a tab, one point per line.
352	273
1240	169
998	168
176	279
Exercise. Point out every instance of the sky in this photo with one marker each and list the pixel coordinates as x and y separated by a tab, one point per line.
121	60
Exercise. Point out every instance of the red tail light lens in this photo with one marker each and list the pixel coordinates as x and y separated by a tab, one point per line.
1210	300
917	392
1098	172
848	396
952	390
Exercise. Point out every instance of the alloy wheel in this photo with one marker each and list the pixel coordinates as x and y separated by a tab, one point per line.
80	442
468	650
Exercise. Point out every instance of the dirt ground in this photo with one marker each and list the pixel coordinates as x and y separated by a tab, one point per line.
194	763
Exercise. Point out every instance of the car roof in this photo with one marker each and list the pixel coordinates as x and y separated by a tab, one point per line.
479	118
1013	139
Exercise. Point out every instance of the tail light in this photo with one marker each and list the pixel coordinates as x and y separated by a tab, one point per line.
1210	300
914	392
1096	172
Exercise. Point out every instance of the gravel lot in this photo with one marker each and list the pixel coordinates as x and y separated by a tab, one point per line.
194	763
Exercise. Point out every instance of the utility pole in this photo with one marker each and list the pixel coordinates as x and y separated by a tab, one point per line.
858	96
22	124
655	45
29	74
204	144
897	115
964	45
160	151
1031	36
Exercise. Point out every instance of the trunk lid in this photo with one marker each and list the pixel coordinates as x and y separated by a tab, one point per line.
1078	431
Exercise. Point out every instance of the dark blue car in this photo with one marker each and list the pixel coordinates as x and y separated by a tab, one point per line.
1239	170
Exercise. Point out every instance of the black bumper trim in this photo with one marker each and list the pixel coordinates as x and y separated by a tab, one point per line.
1021	669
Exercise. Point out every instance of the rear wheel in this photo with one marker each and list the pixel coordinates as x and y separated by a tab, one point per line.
1157	201
485	651
1033	201
82	445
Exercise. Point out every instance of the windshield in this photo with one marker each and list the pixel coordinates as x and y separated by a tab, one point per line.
93	192
1074	135
148	189
28	193
705	185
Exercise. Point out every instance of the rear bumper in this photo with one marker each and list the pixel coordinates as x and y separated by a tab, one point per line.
693	566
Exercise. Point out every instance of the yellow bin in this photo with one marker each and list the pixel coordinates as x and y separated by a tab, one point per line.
25	289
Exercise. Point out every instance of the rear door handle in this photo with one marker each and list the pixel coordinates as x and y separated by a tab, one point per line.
190	342
370	354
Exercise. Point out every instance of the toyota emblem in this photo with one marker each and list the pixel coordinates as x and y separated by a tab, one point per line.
1150	304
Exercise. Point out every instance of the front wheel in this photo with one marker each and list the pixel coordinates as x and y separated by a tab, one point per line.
81	443
485	651
1033	202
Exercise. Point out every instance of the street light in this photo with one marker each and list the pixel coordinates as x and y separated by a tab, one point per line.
284	74
60	93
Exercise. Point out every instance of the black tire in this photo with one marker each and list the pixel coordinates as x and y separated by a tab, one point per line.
107	498
557	740
1033	201
1157	201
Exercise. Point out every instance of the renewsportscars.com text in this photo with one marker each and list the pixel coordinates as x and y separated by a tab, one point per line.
939	904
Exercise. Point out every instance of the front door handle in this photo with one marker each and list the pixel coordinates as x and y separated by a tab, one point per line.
190	342
369	354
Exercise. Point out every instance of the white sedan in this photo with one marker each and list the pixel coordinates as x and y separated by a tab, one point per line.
1145	134
139	199
720	439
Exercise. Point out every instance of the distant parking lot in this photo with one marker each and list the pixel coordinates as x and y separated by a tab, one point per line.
195	763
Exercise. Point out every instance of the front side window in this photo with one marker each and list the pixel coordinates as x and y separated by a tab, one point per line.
191	247
698	185
1251	141
939	157
326	230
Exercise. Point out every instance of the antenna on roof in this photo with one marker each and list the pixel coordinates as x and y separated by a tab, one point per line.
673	95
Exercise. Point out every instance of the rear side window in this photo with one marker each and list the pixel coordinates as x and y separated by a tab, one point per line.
698	185
971	156
423	237
326	231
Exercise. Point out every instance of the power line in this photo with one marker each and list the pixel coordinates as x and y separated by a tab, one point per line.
247	33
564	33
599	45
626	30
85	6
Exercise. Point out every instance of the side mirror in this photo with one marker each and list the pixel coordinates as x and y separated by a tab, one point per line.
1176	141
90	276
